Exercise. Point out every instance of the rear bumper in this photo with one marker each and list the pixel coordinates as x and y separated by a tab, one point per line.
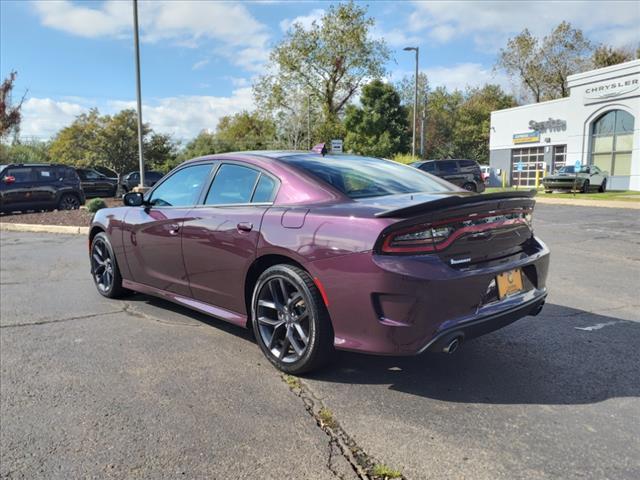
404	305
484	325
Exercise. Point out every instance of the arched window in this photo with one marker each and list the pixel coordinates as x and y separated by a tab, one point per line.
612	142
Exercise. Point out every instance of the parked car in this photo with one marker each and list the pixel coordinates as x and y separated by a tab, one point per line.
107	172
463	173
588	178
95	184
316	253
39	187
132	180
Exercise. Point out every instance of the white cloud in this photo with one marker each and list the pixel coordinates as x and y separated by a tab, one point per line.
491	23
394	37
235	33
200	64
458	76
181	116
304	20
43	117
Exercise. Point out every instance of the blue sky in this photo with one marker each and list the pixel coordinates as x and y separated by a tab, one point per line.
199	58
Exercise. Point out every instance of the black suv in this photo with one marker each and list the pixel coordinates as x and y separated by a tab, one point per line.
96	184
132	180
463	173
39	187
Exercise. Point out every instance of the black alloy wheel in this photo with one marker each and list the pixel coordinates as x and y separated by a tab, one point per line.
603	186
290	320
470	187
68	201
104	268
586	186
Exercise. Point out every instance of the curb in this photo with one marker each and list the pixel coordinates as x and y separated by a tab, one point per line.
589	203
27	227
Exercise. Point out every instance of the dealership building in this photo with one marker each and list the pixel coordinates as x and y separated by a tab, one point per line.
597	124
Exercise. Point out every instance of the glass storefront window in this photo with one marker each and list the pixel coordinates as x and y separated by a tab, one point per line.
612	142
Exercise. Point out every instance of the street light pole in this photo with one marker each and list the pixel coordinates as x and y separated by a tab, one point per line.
415	101
138	89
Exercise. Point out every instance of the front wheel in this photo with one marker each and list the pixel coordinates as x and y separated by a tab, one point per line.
603	186
104	268
585	186
470	187
290	320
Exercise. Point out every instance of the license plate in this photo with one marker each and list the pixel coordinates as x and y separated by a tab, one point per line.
509	283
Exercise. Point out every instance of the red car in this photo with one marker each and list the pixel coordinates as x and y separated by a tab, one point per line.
320	252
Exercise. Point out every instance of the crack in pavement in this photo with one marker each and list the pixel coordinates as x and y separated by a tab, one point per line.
339	440
59	320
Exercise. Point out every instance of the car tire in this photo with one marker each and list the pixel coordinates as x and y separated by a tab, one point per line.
104	268
585	187
69	201
286	309
603	186
470	187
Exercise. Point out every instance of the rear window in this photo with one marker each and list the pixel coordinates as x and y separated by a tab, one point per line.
363	177
447	166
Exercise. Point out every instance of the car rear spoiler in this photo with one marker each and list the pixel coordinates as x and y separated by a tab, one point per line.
457	201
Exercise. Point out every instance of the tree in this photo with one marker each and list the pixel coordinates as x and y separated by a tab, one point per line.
522	59
78	143
204	143
443	109
565	51
330	60
245	131
473	121
33	151
10	112
543	67
605	56
379	127
160	152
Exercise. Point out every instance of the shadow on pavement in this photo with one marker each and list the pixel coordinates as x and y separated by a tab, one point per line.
537	360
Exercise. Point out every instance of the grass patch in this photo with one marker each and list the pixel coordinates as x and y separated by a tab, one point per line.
618	195
326	416
291	381
382	471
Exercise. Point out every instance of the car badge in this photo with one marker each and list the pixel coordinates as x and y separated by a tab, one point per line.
459	261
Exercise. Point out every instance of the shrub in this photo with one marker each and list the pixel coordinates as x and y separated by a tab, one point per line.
405	158
96	204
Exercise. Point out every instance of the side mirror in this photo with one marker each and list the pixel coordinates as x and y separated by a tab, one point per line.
133	199
9	179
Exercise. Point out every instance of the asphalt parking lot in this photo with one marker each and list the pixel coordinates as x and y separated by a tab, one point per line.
92	388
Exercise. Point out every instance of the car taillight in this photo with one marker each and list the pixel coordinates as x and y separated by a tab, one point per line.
423	238
437	236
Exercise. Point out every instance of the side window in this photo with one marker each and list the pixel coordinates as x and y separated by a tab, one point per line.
232	184
265	191
182	188
21	175
91	175
46	174
447	166
428	167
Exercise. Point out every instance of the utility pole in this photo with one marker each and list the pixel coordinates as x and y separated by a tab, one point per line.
138	89
415	101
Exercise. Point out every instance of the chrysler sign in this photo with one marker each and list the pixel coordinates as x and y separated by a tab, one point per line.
612	89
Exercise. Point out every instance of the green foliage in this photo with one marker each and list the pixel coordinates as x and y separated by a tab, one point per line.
25	152
204	144
328	61
382	471
96	204
111	141
405	158
379	127
245	131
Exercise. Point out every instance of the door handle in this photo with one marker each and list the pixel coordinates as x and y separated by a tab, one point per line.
174	229
245	226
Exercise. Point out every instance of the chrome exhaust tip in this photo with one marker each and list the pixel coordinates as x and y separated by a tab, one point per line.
452	346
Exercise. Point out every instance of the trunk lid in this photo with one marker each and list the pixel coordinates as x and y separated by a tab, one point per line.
462	229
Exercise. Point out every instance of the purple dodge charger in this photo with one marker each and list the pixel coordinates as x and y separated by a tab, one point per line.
317	253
